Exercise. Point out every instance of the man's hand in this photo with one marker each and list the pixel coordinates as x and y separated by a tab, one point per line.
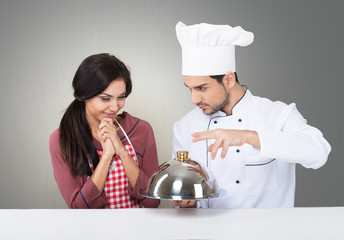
184	203
225	138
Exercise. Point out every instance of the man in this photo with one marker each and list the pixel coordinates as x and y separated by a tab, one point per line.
250	144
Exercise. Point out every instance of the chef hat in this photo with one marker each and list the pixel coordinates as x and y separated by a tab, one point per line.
209	49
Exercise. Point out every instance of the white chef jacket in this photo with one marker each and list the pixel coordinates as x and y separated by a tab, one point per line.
253	177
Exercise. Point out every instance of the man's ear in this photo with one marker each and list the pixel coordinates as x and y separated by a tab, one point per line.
229	79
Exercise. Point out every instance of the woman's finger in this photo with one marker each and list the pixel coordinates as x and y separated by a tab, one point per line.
105	122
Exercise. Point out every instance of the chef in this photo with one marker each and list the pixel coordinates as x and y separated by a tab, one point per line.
250	144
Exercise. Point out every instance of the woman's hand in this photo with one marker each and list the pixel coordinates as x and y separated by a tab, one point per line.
107	146
109	138
108	132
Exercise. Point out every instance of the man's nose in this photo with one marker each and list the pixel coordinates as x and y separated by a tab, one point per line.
196	98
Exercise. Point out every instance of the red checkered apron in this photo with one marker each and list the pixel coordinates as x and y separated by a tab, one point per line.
116	186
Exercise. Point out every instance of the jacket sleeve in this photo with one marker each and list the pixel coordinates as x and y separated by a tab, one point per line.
296	142
77	191
147	167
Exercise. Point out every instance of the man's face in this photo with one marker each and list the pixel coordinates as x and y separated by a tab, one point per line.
207	93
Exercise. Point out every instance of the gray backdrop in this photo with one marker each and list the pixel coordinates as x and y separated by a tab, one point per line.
297	57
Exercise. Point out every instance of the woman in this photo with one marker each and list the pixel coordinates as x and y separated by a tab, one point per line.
96	164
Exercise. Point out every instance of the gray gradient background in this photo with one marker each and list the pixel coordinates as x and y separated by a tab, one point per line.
297	57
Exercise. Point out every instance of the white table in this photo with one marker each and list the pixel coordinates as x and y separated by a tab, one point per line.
277	224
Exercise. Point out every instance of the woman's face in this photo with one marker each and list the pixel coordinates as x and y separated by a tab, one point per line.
107	104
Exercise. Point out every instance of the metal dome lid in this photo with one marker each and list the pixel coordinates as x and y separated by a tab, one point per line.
181	179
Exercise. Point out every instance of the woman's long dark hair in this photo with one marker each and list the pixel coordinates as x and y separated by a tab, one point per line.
93	76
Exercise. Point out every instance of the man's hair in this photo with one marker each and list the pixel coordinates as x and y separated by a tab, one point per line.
219	78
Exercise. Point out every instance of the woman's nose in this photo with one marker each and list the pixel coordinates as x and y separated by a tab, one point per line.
114	106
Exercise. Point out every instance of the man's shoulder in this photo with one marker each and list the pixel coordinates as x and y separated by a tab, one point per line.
264	102
268	108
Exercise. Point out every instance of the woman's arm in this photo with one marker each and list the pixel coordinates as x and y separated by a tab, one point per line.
108	132
77	191
147	167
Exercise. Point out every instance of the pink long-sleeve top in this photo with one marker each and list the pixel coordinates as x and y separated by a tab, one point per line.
81	192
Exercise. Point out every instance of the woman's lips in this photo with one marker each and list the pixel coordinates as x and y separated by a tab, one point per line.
110	115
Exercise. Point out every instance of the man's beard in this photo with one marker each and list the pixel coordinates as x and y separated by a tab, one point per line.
219	106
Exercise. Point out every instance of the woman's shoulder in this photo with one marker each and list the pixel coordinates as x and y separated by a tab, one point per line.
54	139
134	123
133	120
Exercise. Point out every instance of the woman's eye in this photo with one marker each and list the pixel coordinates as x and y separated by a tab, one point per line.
121	97
105	98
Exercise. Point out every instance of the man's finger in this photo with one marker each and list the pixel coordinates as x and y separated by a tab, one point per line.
179	203
224	151
215	148
199	136
184	203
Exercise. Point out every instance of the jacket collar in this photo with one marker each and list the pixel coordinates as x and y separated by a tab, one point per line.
239	106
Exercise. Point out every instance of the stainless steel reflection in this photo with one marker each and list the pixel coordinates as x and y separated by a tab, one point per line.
181	179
